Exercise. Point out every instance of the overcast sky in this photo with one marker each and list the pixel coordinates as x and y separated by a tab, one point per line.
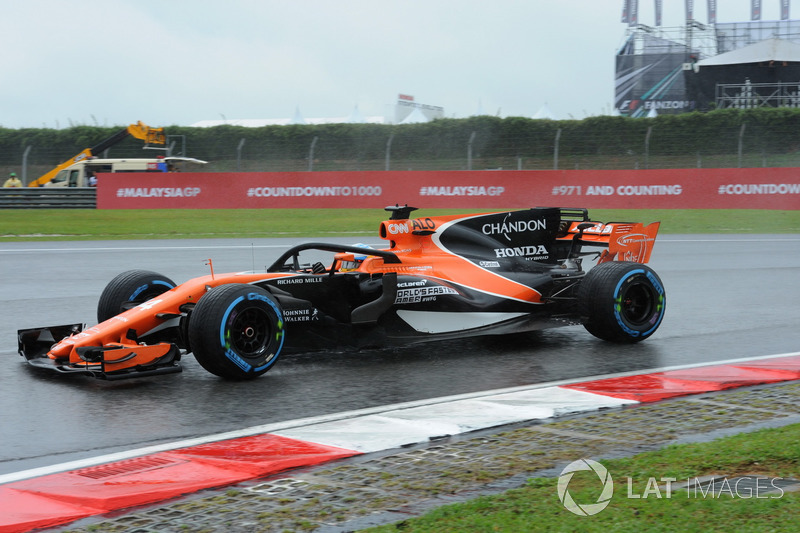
177	62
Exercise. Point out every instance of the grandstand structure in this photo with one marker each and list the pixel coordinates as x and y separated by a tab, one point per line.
707	65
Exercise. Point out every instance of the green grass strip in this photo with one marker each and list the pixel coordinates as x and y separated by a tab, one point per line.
536	507
91	224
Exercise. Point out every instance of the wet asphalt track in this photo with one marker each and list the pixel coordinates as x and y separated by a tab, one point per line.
728	296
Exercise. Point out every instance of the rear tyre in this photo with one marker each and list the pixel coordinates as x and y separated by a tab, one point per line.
621	302
236	331
130	289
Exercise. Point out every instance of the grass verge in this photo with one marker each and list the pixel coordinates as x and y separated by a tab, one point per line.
94	224
536	507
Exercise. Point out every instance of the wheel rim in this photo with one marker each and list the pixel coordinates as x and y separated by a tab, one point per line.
636	304
249	332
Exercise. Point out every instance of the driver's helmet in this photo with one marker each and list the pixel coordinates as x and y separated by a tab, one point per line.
357	259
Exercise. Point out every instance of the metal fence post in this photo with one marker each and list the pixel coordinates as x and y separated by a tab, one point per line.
311	154
469	150
741	136
25	164
239	155
389	150
555	149
171	145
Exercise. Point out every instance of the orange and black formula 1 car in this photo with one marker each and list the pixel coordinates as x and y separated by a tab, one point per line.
440	277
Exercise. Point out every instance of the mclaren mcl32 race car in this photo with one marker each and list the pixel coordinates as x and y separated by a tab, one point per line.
440	277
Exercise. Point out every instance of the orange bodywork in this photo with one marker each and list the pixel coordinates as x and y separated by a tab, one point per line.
114	333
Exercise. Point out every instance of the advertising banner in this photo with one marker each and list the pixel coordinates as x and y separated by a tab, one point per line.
763	188
633	12
755	9
645	82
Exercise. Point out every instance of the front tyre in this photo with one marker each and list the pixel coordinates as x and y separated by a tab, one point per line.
129	289
236	331
621	302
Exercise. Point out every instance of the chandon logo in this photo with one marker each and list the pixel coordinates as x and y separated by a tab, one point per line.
513	226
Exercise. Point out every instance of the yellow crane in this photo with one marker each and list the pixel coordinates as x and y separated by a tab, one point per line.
139	130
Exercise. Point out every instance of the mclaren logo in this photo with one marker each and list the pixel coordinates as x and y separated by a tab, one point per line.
420	283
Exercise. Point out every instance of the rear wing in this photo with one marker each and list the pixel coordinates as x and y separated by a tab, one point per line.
626	241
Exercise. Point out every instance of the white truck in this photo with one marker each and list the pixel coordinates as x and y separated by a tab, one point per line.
83	172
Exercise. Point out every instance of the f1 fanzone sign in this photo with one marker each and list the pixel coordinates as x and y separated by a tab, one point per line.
763	188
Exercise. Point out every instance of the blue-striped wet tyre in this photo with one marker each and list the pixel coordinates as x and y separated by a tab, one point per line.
621	301
129	289
236	331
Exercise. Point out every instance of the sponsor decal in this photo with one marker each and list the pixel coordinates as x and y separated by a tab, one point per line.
241	363
422	294
278	192
633	105
760	188
649	190
255	296
621	190
149	304
600	229
633	238
513	226
420	283
396	229
529	252
489	264
292	281
467	190
301	315
158	192
423	224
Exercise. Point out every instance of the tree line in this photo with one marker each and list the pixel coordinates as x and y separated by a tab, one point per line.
727	137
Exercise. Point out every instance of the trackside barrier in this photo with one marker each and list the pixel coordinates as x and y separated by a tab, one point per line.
763	188
48	198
